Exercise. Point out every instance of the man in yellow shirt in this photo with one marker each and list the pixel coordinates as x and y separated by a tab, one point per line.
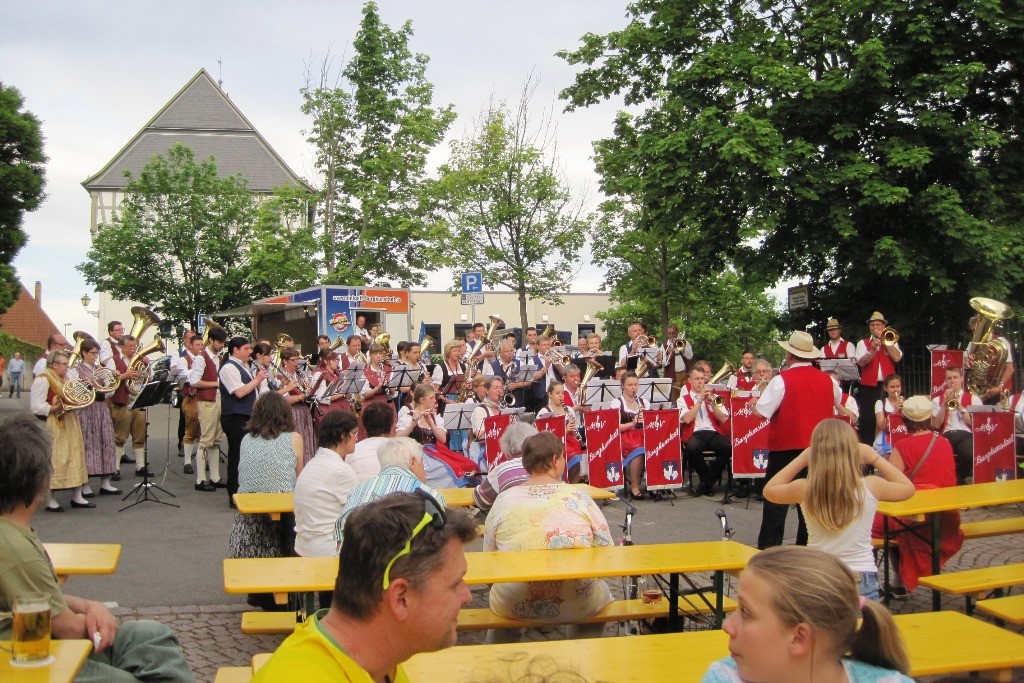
399	589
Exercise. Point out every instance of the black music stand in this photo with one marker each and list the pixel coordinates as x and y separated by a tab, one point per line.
351	381
599	391
401	377
655	391
607	365
454	385
150	395
459	416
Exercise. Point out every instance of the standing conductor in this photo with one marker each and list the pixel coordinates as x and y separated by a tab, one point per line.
795	401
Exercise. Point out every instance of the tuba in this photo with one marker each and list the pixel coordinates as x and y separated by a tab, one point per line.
425	345
384	339
209	324
550	333
143	320
139	365
74	394
988	355
723	372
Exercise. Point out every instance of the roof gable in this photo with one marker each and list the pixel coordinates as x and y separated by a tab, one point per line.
201	116
27	320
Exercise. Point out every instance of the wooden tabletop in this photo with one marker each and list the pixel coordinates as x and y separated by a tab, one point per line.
70	656
299	574
83	558
276	503
956	498
938	643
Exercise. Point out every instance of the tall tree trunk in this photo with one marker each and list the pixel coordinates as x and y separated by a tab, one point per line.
663	287
522	309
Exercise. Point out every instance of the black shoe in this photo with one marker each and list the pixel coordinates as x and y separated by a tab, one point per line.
110	492
219	484
125	460
181	451
638	496
86	504
56	509
188	468
205	486
143	472
89	495
116	476
708	492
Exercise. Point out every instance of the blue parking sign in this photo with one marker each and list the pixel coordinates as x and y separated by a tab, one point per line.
472	282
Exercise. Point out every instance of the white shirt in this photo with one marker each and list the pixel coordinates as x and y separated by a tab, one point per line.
734	380
230	376
107	349
655	363
437	378
851	405
703	421
677	356
321	492
37	400
771	397
862	350
198	368
842	346
40	365
525	353
364	460
481	413
956	420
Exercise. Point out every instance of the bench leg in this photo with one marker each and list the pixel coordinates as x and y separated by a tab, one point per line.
936	542
719	598
673	604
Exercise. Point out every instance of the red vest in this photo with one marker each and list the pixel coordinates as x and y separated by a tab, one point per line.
841	353
209	375
869	373
720	427
807	401
744	384
567	398
120	397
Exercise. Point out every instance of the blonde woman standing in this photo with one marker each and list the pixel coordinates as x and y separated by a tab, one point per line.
838	501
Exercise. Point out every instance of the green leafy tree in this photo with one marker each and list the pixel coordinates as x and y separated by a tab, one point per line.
22	178
506	208
870	148
186	241
371	152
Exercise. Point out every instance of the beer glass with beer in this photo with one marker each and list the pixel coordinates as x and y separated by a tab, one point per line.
30	635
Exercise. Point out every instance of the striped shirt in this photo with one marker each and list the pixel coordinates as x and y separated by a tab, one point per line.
390	480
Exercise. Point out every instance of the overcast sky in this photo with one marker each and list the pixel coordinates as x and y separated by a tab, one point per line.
95	73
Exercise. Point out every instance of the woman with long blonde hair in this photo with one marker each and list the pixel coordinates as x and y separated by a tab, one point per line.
838	501
797	622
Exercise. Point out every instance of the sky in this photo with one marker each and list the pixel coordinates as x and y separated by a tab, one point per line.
95	73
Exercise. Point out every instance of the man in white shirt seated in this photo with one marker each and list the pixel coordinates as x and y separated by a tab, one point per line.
379	423
955	424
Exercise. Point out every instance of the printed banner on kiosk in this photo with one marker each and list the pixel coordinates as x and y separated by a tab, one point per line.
943	360
749	440
663	457
556	425
994	458
604	450
494	428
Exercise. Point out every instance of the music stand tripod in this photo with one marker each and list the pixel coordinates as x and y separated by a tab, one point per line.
149	396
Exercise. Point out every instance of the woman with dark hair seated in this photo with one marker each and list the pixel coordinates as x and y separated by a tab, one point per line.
545	512
271	460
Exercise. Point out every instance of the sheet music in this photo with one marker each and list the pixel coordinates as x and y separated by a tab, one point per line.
459	415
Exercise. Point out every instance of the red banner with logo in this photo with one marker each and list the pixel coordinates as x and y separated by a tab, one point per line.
604	450
663	457
943	360
749	440
556	425
994	458
494	428
897	428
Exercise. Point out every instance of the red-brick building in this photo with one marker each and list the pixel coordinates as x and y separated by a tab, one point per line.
27	320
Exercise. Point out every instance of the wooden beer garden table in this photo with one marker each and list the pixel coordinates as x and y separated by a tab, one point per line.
930	502
275	504
70	655
83	558
284	575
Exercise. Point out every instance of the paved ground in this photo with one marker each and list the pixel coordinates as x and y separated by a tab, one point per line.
170	568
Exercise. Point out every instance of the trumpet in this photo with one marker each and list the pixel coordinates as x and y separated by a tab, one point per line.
953	405
716	400
889	336
641	341
556	357
679	344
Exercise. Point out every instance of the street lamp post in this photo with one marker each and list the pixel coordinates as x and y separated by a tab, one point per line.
85	304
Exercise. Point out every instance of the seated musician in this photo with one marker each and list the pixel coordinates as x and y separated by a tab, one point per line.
445	468
450	366
574	455
1005	379
489	407
634	348
890	403
479	391
506	366
544	372
705	427
955	424
631	431
762	375
573	396
677	361
594	345
146	649
847	406
543	512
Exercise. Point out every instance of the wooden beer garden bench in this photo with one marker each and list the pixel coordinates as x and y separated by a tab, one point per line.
82	558
1009	609
976	583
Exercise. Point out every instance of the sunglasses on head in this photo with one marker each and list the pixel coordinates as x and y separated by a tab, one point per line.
433	515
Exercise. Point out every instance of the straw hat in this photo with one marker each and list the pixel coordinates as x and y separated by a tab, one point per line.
877	316
917	408
801	345
832	324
